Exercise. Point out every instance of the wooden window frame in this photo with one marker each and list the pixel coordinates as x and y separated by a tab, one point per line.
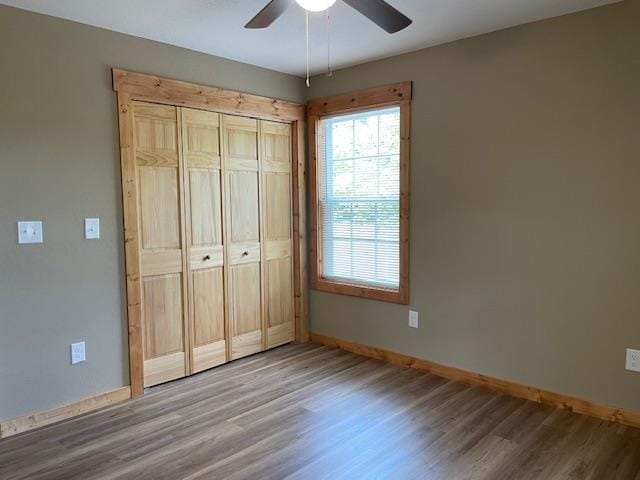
132	86
397	94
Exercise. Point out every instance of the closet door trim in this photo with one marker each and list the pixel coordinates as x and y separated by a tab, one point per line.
150	88
132	86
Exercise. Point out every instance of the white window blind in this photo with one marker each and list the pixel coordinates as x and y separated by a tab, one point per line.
359	196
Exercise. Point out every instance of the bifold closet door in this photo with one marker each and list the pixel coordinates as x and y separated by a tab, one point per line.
203	225
241	168
160	210
277	239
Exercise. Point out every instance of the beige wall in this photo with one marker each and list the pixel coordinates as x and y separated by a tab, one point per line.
525	240
59	163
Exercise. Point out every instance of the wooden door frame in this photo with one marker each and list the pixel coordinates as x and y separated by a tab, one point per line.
131	86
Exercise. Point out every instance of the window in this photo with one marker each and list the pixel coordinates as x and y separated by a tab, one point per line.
360	189
359	198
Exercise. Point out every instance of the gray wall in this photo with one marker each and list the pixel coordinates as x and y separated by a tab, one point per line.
59	163
525	223
525	204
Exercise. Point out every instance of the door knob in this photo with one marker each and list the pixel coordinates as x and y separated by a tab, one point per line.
207	257
244	254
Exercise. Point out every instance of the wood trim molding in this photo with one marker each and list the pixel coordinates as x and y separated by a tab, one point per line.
64	412
131	86
361	99
605	412
132	257
405	200
151	88
372	293
396	94
301	273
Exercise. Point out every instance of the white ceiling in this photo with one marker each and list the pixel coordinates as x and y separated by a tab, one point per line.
216	26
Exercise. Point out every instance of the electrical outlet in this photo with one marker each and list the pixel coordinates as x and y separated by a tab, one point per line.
633	360
413	319
77	353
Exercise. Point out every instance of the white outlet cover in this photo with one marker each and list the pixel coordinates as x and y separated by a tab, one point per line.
91	228
29	232
413	319
633	360
77	353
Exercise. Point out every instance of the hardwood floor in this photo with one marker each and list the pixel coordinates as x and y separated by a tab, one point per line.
310	412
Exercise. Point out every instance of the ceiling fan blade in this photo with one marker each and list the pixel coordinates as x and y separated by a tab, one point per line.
381	13
269	14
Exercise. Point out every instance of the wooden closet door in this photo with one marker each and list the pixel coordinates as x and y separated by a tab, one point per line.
159	180
277	240
201	147
242	225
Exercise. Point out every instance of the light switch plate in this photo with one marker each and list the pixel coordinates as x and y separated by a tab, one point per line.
91	228
413	319
77	353
633	360
29	232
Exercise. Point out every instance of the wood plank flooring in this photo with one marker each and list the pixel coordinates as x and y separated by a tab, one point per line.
311	412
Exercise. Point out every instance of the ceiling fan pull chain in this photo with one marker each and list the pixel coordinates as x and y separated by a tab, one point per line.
306	18
329	71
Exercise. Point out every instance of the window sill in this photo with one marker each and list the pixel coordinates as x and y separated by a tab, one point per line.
400	296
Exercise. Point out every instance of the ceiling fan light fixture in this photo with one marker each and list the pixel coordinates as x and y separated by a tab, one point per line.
315	5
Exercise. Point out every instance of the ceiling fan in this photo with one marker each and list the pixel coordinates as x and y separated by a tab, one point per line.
378	11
